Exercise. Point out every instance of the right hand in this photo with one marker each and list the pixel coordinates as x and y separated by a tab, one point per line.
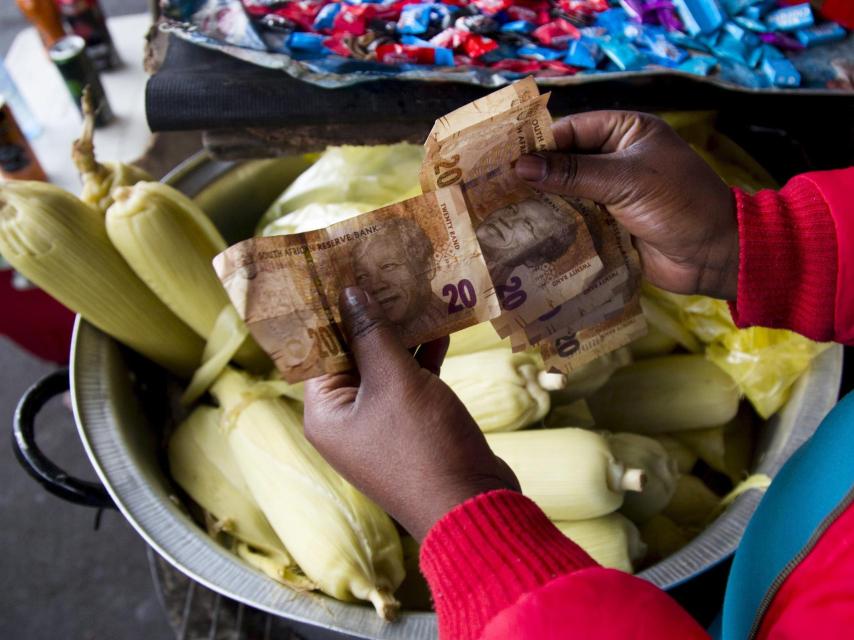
681	214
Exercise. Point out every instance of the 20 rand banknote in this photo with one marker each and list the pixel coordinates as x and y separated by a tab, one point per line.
419	259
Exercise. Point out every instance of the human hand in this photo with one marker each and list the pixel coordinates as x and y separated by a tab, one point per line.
394	429
681	214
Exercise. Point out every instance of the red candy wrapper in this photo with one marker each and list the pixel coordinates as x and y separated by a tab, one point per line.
585	7
301	14
406	54
353	19
491	7
450	38
516	66
475	45
561	68
337	45
557	34
518	12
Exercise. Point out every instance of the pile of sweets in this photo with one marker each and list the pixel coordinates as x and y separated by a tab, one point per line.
743	41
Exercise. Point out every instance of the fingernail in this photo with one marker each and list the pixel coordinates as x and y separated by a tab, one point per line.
532	167
354	297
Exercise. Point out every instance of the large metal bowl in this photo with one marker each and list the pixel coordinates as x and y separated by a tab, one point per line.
121	428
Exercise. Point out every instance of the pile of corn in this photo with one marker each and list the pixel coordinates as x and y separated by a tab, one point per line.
629	456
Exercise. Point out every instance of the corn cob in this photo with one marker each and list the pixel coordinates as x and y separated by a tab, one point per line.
587	379
693	503
659	395
60	244
654	343
612	540
574	414
658	317
663	537
342	541
727	449
169	242
99	179
480	337
201	462
684	457
502	390
660	469
570	473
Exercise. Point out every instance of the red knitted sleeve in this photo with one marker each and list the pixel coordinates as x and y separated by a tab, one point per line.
794	254
499	570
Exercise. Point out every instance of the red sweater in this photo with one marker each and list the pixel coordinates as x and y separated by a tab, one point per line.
498	569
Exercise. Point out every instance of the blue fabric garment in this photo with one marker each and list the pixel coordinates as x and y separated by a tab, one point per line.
807	489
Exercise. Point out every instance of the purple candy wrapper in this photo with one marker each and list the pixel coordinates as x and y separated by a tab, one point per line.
781	40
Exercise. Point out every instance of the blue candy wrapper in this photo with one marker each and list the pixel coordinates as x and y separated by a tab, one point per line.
660	50
781	73
326	16
583	53
757	26
414	19
531	52
698	65
700	16
307	42
612	20
797	16
518	26
729	48
624	55
771	52
821	34
739	73
416	41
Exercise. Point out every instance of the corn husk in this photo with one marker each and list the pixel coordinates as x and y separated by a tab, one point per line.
661	474
693	503
661	395
574	414
655	343
612	540
570	473
342	541
201	462
364	176
99	179
727	449
503	391
684	457
60	244
169	243
480	337
663	538
589	378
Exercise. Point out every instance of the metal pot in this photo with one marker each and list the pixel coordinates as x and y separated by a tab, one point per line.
121	413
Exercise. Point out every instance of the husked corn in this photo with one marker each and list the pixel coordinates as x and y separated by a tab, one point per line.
343	542
60	244
502	390
612	540
571	474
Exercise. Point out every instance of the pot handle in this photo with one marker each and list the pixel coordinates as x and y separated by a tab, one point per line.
36	463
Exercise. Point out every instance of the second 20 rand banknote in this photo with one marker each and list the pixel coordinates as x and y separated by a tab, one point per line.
537	246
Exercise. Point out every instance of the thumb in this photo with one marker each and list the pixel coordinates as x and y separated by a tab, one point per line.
379	353
598	178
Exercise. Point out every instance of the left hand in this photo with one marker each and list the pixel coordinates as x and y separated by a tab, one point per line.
394	429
